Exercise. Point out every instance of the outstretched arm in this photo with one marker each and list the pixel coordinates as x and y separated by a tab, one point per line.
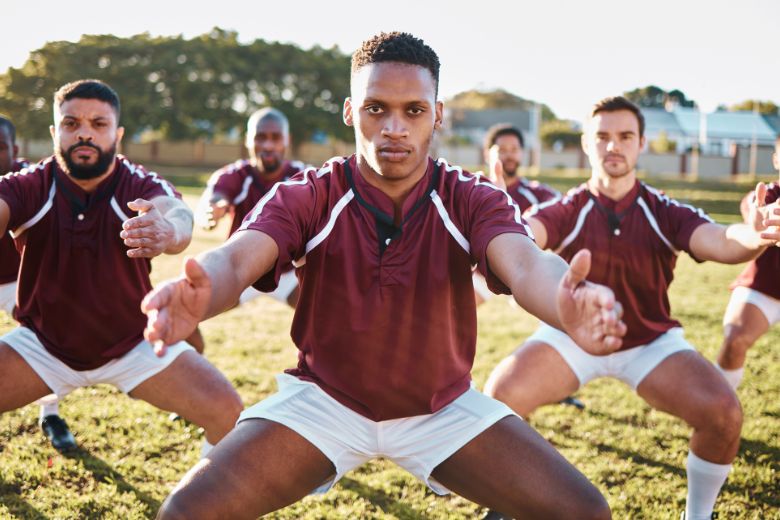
212	206
558	294
739	242
211	283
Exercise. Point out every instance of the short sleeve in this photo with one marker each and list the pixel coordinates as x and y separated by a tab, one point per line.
492	212
226	181
683	220
25	193
152	186
556	218
284	214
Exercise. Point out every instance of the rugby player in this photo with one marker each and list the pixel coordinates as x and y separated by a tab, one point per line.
755	299
88	222
53	426
635	233
385	324
236	188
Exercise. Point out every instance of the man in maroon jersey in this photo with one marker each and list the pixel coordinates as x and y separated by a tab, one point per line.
384	242
88	221
236	188
53	426
503	153
635	234
755	299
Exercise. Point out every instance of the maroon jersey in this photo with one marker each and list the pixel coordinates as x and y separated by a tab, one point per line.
386	320
634	242
9	256
78	290
530	193
763	273
243	186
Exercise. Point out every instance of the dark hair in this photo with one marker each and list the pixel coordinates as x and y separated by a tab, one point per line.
399	47
87	89
613	104
9	126
496	131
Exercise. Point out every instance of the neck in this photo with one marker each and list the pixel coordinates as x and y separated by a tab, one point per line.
90	185
614	188
266	174
396	189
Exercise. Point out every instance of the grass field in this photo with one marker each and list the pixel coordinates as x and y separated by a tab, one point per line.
132	454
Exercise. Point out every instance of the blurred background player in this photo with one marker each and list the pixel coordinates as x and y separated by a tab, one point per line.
53	426
235	189
755	300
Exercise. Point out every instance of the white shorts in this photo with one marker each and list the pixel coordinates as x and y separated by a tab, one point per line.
630	366
125	372
287	284
768	306
8	297
417	444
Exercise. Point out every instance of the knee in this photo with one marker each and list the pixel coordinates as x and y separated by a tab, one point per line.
174	508
725	415
593	507
504	386
737	339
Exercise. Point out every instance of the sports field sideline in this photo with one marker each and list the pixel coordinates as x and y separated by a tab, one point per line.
132	455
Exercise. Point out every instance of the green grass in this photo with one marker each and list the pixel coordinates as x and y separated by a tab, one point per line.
132	455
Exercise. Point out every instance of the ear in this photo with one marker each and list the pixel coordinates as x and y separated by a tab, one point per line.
52	131
642	143
120	133
776	161
16	151
347	113
439	115
584	142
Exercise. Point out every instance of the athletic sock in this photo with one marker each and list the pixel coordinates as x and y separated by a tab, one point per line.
50	405
704	482
205	448
734	377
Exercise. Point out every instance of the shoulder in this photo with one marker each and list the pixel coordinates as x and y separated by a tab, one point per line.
660	203
137	176
455	180
240	168
31	174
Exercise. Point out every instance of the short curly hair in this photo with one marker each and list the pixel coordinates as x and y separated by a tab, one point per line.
399	47
496	131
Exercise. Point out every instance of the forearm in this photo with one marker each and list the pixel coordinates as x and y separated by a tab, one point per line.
180	218
743	243
236	265
530	273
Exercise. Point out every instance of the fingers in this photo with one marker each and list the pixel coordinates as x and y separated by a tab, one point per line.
579	267
140	205
195	273
761	194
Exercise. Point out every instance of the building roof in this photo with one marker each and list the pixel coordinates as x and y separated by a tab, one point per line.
738	126
773	122
658	120
463	119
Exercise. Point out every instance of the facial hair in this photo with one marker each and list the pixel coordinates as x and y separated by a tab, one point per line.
85	171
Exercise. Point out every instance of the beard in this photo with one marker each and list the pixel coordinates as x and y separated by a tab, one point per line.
85	171
510	172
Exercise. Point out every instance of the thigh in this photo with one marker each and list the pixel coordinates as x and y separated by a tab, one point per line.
193	388
19	383
259	467
534	375
687	386
512	469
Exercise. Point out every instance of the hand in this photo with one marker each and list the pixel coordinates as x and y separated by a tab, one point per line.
588	311
764	219
175	307
496	169
212	213
149	234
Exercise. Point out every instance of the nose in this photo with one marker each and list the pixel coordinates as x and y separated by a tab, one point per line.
395	128
613	146
84	135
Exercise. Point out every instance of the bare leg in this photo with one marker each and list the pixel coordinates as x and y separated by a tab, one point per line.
687	386
19	384
534	375
259	467
194	389
743	326
511	468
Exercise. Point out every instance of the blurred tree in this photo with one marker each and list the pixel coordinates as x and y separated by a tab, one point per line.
662	144
561	132
652	96
499	98
182	89
764	107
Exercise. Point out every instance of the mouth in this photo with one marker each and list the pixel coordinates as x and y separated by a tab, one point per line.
394	153
84	153
615	158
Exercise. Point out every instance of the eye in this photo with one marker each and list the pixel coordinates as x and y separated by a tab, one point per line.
374	109
69	123
415	111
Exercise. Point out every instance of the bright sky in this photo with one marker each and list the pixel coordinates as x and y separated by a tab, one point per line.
567	54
